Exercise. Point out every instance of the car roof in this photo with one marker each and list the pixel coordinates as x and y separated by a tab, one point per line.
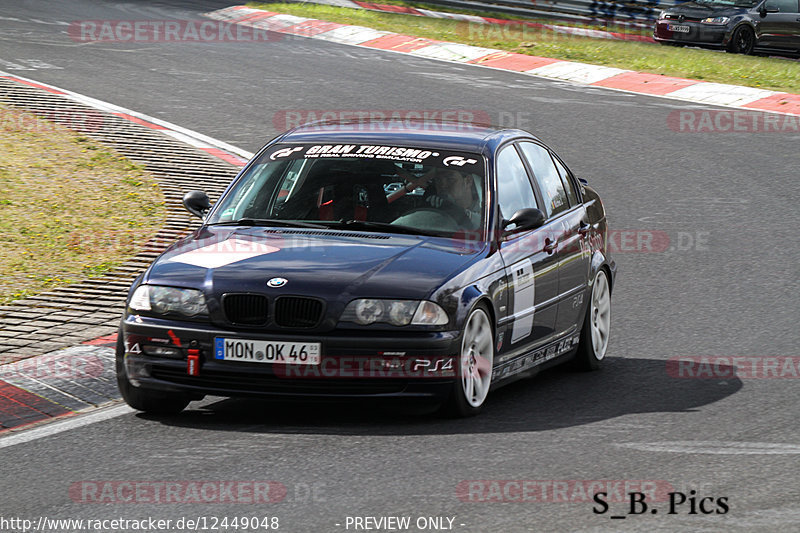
468	137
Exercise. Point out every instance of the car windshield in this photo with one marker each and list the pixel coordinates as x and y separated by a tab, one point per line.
729	3
395	189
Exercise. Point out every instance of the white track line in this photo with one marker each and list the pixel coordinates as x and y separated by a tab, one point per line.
54	428
193	136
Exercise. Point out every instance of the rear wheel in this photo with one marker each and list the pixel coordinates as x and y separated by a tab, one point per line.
475	366
149	401
596	326
743	41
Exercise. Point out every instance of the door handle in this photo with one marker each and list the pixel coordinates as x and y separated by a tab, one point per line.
550	245
584	228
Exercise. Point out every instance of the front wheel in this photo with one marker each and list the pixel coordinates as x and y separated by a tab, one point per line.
475	366
743	41
149	401
596	326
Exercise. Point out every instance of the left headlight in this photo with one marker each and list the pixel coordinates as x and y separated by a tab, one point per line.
395	312
716	20
662	15
165	300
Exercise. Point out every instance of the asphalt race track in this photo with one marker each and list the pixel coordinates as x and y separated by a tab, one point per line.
725	285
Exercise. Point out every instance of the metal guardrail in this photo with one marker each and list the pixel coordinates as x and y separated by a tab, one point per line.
636	13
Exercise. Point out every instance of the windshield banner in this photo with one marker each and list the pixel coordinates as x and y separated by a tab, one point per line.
371	151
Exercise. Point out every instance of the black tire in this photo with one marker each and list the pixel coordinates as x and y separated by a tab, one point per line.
475	363
591	352
742	41
149	401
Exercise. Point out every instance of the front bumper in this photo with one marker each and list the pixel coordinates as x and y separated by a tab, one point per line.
377	365
699	33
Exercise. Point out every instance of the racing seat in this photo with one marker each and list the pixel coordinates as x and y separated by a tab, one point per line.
354	198
343	199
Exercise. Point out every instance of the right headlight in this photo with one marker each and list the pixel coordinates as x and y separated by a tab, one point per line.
168	300
716	20
367	311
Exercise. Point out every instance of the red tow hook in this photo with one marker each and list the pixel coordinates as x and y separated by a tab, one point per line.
193	362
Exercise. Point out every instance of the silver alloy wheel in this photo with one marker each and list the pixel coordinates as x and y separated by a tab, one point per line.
477	358
600	319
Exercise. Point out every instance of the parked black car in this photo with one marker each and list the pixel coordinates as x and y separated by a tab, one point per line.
738	26
311	277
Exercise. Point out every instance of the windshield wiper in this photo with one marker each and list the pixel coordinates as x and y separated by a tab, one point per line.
385	227
269	222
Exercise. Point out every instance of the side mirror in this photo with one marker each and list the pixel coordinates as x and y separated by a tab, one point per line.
583	181
197	203
524	219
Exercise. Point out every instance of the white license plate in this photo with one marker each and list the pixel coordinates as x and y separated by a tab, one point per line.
276	352
679	29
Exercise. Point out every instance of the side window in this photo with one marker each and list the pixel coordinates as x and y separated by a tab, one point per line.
546	175
514	190
784	6
567	182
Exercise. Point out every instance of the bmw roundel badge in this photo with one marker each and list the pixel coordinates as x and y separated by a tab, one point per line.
277	282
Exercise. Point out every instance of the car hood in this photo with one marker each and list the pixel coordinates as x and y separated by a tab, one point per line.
697	10
333	265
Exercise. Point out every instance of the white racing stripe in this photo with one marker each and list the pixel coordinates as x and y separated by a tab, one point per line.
223	253
276	23
717	93
460	53
64	425
578	72
351	35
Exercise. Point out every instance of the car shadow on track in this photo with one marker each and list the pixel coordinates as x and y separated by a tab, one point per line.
553	399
